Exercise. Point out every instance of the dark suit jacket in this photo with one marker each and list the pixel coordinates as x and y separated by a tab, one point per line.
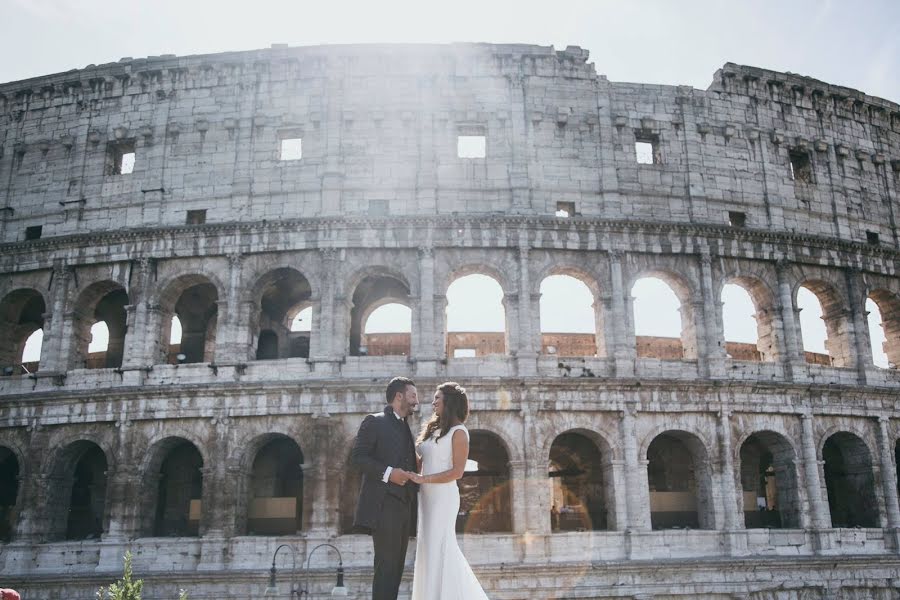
383	441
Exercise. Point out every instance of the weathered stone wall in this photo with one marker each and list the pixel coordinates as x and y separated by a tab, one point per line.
380	194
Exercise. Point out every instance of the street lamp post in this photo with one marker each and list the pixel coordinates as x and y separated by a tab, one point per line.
337	590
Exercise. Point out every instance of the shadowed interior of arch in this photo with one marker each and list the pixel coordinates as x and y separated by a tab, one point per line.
769	482
196	308
678	478
850	481
276	489
385	293
476	317
21	321
285	293
579	496
9	492
177	490
485	501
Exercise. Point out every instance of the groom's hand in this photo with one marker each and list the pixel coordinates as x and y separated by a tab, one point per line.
399	476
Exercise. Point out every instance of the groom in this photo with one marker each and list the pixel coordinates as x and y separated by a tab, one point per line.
385	453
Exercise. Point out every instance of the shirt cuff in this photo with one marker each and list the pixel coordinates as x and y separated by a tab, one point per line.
387	474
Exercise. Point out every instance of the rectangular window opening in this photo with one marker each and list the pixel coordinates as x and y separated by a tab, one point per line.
34	232
872	238
646	149
565	209
120	157
737	218
464	353
379	208
196	217
471	146
801	166
291	149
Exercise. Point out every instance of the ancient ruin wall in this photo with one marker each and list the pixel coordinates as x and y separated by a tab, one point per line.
380	192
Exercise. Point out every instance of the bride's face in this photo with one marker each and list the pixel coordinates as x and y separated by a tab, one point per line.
438	403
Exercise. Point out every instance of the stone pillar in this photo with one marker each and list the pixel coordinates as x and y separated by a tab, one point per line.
527	343
614	474
425	343
219	491
321	353
856	306
793	360
730	509
233	335
123	502
324	520
138	344
517	493
637	492
889	480
519	183
713	327
607	138
54	354
818	504
622	344
536	495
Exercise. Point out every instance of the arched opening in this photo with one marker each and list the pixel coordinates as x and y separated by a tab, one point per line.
580	500
77	493
9	492
747	321
663	324
850	481
372	293
569	320
769	482
301	330
21	318
476	317
177	487
276	489
387	331
823	325
485	503
100	324
883	310
283	293
679	479
194	302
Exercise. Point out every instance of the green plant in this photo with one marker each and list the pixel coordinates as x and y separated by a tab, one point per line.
124	589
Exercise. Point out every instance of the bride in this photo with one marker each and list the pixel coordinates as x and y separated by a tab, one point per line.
441	571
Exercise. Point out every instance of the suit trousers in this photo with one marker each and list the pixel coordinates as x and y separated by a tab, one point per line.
391	538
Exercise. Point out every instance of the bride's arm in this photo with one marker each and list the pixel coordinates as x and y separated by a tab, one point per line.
460	453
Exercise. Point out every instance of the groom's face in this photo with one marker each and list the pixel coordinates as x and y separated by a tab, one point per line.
407	402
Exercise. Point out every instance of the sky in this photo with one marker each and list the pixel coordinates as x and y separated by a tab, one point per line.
669	42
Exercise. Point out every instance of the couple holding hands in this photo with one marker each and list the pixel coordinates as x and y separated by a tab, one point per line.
405	481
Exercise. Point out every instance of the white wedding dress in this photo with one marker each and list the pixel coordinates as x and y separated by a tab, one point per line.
441	571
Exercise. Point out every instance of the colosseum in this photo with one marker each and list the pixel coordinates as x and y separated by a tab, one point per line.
192	249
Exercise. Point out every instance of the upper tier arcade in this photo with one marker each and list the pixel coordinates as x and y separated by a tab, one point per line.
289	133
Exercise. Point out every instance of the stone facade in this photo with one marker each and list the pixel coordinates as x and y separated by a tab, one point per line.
766	179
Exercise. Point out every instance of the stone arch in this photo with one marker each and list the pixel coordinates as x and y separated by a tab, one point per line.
173	488
888	304
21	314
837	322
76	494
580	469
194	299
102	301
276	296
685	346
485	493
679	475
572	343
373	287
849	480
767	469
479	343
766	316
11	471
275	498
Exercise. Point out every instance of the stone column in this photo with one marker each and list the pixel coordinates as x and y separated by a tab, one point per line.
123	501
323	522
637	492
525	341
856	306
54	353
138	344
321	353
219	490
889	479
731	509
536	495
793	359
622	345
517	493
233	335
819	513
425	344
712	322
519	183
